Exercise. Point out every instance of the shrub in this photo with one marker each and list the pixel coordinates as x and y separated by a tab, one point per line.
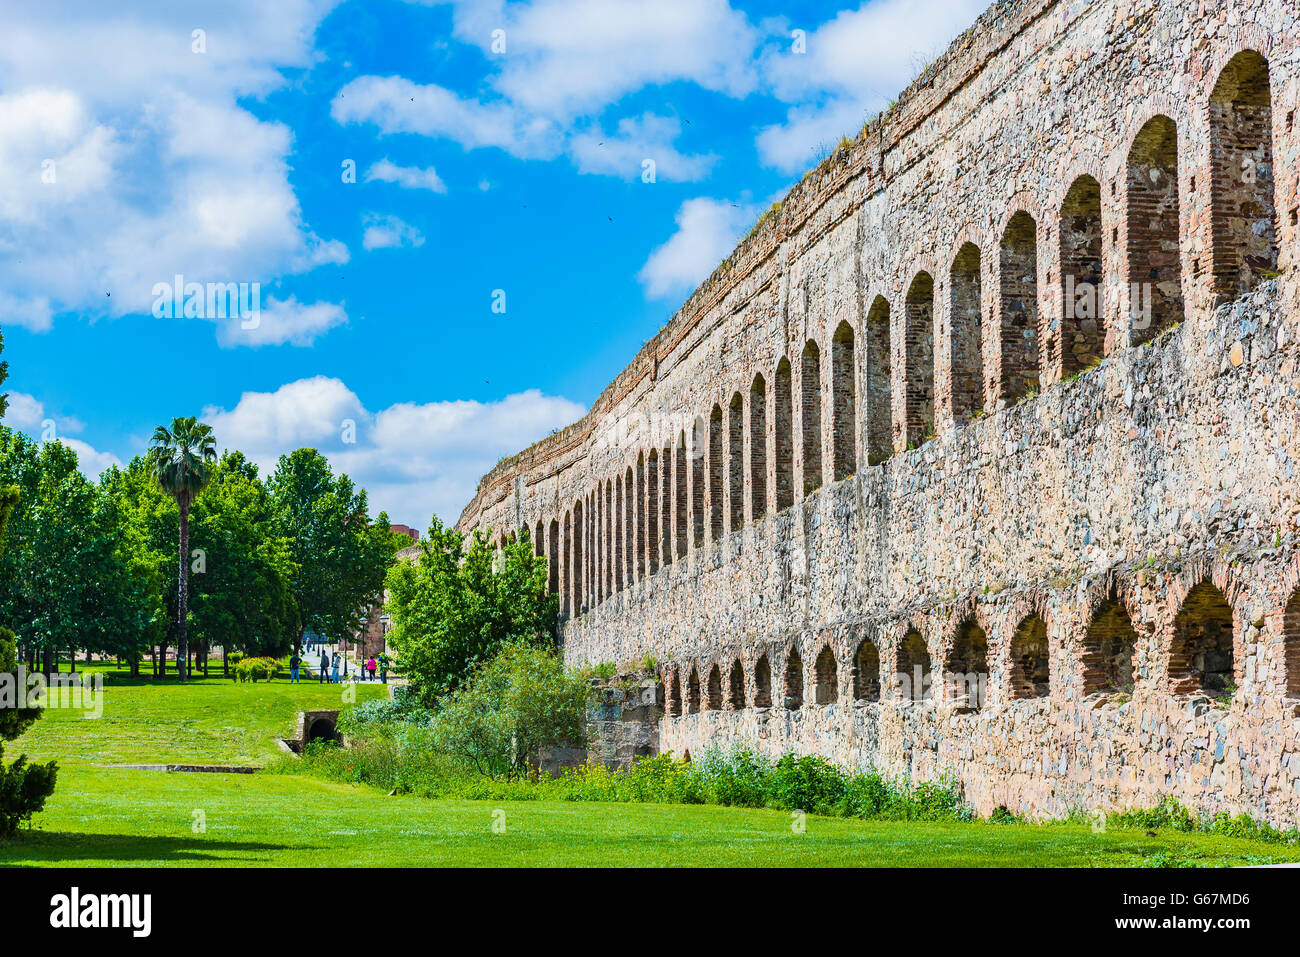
256	669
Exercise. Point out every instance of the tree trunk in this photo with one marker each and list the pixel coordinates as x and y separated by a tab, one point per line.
182	595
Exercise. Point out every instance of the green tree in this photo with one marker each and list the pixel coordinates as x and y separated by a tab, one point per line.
180	462
510	708
456	607
341	558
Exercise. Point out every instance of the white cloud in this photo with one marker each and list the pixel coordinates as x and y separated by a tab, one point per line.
854	65
389	232
647	137
116	163
280	322
408	177
90	460
416	459
707	231
27	413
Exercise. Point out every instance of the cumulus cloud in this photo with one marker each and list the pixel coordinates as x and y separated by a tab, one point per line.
853	66
408	177
280	322
416	459
116	166
707	231
26	413
624	154
389	232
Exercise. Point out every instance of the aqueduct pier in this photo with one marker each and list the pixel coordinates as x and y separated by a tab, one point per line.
978	456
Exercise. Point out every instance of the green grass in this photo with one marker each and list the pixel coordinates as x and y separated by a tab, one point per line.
104	816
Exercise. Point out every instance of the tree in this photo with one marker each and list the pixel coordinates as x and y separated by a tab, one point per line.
510	708
180	462
456	608
341	558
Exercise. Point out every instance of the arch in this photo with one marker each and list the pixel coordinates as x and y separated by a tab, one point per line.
553	558
680	495
693	692
1030	675
792	685
579	598
566	587
967	667
715	473
879	384
866	672
1082	296
629	527
844	403
810	416
758	448
655	549
713	699
322	729
966	334
1201	655
538	548
665	488
1154	258
1291	645
913	667
763	683
918	340
1245	247
611	541
619	534
736	463
699	443
675	693
826	689
1108	648
1018	320
736	687
783	435
639	500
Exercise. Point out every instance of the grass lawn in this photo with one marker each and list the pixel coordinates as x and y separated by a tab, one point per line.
102	815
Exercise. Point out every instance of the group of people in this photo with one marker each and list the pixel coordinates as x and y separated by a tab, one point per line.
328	668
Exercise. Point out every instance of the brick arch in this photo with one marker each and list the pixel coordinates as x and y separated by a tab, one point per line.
917	368
1018	321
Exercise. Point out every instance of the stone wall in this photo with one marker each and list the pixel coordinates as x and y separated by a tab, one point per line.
1003	396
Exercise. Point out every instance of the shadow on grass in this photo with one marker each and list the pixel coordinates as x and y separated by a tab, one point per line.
48	847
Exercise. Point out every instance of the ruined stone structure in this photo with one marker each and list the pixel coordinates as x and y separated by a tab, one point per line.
978	456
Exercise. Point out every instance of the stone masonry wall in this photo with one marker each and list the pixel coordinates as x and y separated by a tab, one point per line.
977	457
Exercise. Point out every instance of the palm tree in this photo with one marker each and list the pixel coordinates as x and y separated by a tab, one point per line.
179	462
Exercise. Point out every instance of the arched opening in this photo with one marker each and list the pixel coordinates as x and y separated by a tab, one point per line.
783	426
736	687
619	561
810	416
918	398
538	545
607	547
699	452
629	527
763	683
553	559
844	401
715	474
1030	663
713	700
655	549
675	693
579	597
639	499
914	670
680	495
322	729
1018	322
758	448
693	692
967	668
1082	299
879	384
866	675
1201	657
1291	644
1155	272
566	589
826	688
1242	177
1108	650
967	334
792	688
665	491
736	464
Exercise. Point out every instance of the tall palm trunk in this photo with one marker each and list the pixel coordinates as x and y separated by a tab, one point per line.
182	597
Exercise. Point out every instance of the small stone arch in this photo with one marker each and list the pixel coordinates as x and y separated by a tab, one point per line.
966	667
713	700
792	686
736	687
675	693
1201	655
918	393
1083	299
758	448
844	401
965	305
1018	300
1153	246
810	415
1030	672
866	673
763	683
693	692
1109	646
826	689
913	667
878	385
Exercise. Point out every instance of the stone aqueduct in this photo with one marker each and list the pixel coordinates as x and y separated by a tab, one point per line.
1003	398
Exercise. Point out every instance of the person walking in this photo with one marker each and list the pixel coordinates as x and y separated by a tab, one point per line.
383	667
324	664
371	666
334	668
294	662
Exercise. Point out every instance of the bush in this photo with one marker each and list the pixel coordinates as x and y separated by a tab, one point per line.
256	669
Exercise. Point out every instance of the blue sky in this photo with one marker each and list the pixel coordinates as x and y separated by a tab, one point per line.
500	153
